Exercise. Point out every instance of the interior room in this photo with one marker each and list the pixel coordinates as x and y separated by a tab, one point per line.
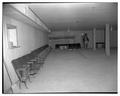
59	47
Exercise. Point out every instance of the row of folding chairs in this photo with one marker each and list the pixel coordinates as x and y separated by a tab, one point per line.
32	67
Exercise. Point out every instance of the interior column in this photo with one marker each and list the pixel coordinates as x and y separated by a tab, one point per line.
107	40
94	39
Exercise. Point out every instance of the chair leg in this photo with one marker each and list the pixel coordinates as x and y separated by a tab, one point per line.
29	79
20	84
25	84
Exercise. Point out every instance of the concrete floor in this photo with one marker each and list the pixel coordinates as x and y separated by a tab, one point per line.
76	71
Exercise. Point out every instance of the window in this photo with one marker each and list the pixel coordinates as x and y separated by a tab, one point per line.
12	36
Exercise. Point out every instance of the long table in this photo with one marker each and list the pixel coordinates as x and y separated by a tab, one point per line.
68	46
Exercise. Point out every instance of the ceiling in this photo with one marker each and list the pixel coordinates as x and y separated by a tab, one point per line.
76	16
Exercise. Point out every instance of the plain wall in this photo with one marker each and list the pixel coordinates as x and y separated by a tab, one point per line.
113	38
29	38
76	34
100	37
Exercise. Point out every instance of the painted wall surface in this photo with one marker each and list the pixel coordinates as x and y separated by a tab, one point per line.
76	34
78	37
113	38
29	38
100	35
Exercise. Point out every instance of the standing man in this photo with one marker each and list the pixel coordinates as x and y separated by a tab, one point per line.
85	40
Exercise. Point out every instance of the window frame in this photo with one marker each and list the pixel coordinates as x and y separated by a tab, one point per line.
11	44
